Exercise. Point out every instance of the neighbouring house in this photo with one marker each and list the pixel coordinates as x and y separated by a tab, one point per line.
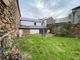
9	23
32	26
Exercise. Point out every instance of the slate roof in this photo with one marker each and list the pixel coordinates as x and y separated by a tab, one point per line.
31	20
32	27
76	8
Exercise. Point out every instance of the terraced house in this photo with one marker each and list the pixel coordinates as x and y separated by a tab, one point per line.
9	23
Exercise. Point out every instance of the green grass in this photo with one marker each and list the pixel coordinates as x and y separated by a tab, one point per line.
50	48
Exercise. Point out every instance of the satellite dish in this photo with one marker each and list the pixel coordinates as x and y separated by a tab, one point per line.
6	2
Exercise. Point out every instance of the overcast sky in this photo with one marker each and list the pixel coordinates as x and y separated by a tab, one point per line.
46	8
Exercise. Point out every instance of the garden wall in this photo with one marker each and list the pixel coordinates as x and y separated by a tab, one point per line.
66	29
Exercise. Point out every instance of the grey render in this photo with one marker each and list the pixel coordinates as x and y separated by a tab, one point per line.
75	15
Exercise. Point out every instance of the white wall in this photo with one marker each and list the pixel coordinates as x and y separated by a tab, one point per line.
34	31
20	33
27	23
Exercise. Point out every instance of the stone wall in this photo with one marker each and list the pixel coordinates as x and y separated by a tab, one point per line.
76	30
66	29
9	21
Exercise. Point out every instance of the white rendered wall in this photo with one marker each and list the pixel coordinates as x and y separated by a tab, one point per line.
34	31
20	33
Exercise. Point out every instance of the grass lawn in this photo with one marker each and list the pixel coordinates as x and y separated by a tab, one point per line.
49	48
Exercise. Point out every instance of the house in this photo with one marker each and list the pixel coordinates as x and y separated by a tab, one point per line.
32	26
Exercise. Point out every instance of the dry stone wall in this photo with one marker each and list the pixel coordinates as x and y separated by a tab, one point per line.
9	21
76	30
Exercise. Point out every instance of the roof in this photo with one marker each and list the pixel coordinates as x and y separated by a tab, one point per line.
76	8
31	20
32	27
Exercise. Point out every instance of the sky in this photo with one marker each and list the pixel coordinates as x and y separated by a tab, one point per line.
47	8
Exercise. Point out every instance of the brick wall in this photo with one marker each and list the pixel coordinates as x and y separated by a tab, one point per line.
26	32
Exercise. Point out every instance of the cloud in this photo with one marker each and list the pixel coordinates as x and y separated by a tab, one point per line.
45	8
